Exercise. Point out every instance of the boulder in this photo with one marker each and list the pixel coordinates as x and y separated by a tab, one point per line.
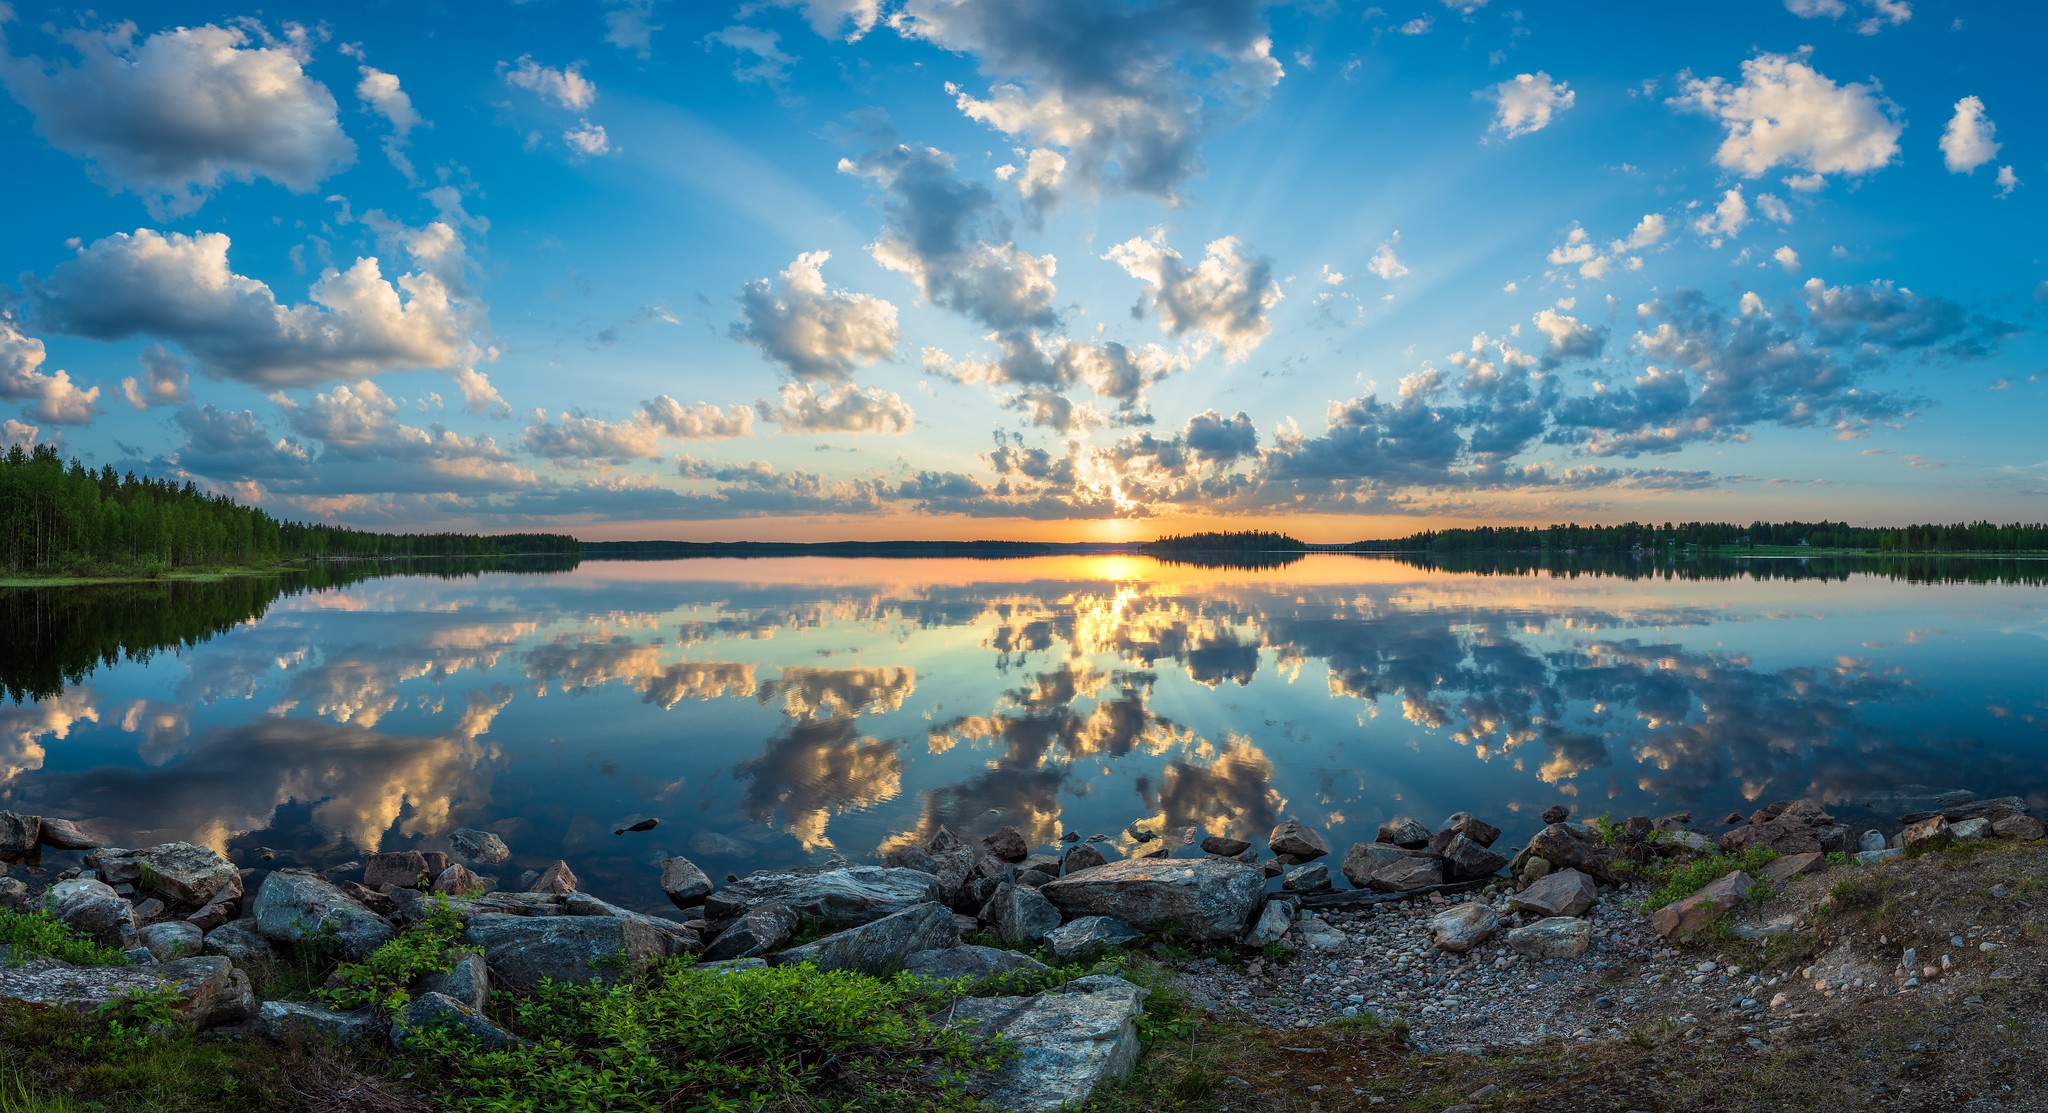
581	950
1404	875
1970	830
1366	857
880	946
1403	832
62	834
298	1019
94	909
1564	893
1273	921
210	991
911	858
458	881
1574	847
402	868
558	878
969	962
954	870
838	897
481	847
187	877
1464	926
21	839
1555	813
1007	845
14	894
685	884
1207	899
1784	869
1872	857
1556	937
1224	848
1084	857
1298	842
1835	839
294	905
1787	826
1089	938
1315	933
761	929
1478	831
1043	863
1682	919
2018	827
1871	840
1019	915
1686	842
1311	878
1961	810
1467	859
1065	1042
438	1011
238	940
217	912
468	981
1932	832
172	940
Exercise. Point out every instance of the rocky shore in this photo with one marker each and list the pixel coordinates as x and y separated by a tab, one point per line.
1588	932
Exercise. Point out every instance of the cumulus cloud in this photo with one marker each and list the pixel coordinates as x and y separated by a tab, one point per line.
1817	9
1131	109
813	330
1727	218
1967	142
164	382
831	19
1225	297
697	421
1038	181
1222	440
382	93
359	424
2007	181
565	87
50	397
1647	232
1384	262
840	408
1526	103
171	117
1785	113
581	437
1568	337
179	288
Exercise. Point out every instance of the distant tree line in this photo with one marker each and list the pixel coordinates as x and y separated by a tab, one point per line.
59	518
1241	541
1975	537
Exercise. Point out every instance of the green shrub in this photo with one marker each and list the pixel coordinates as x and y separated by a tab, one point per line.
685	1038
1676	882
385	976
38	933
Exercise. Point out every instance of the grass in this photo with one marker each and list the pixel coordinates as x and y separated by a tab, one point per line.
1675	881
37	933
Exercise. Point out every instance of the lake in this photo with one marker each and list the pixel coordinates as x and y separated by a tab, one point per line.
777	711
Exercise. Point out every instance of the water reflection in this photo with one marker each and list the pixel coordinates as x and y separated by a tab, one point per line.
782	710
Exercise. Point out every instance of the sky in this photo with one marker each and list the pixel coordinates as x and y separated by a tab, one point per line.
1047	269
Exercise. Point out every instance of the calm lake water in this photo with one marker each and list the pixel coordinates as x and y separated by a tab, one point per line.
771	712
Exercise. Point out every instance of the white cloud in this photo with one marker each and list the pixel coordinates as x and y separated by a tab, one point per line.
1889	13
1727	218
841	408
1773	208
1784	113
1384	262
1420	25
14	433
697	421
179	288
565	87
164	382
770	65
1330	277
1225	296
1967	142
575	436
51	397
1648	231
171	117
831	19
812	329
1787	258
2007	181
1817	9
1527	103
1464	7
1568	337
588	139
381	92
629	25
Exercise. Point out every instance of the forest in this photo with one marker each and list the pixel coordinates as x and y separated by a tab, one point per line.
65	519
1974	537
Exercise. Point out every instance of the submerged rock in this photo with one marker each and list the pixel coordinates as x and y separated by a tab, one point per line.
1209	899
1067	1041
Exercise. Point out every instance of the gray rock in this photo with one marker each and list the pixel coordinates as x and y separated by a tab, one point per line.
1273	921
1872	857
969	962
1224	847
1007	845
14	894
685	884
438	1011
1836	839
1297	841
839	897
1691	842
1403	832
187	877
1404	875
1089	938
287	1019
1556	937
468	981
481	847
1067	1041
1564	893
880	946
403	868
1019	914
1032	879
238	940
1208	900
761	929
210	991
458	880
94	909
1464	926
1468	859
1084	857
1971	829
558	878
1366	857
21	838
1315	933
1871	840
2018	827
578	950
1048	864
1311	878
1479	831
1555	813
172	939
62	834
294	905
1681	919
1576	847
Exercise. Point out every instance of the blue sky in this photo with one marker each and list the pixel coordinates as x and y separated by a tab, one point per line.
1075	268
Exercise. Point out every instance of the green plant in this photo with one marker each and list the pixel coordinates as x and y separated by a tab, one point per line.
385	976
1838	858
1676	881
40	934
17	1097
